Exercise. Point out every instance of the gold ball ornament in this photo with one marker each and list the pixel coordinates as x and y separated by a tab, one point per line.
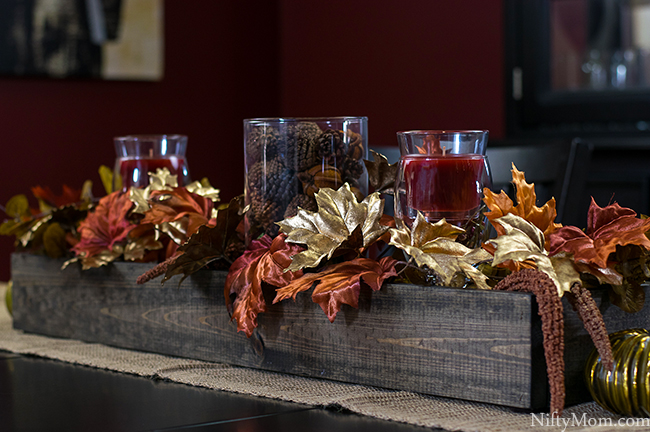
626	389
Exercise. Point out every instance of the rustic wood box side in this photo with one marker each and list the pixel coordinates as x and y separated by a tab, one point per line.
484	346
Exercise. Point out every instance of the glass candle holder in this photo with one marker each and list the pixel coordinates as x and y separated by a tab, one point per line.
442	174
287	160
138	155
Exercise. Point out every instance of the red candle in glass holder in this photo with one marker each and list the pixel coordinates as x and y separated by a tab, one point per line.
134	171
449	185
138	155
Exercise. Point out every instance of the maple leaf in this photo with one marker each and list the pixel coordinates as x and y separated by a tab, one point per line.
162	179
381	174
435	246
265	261
340	224
48	200
104	231
606	228
141	239
178	212
210	243
340	283
522	241
526	208
205	189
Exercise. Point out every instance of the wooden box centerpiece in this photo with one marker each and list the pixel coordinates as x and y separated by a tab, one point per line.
469	344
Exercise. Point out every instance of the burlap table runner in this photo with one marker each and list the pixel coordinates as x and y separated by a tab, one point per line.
398	406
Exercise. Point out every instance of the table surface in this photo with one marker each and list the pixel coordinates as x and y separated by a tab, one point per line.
46	395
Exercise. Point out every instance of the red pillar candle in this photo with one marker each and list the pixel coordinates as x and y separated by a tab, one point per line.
135	171
449	185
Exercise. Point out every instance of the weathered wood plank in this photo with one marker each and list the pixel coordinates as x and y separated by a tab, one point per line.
476	345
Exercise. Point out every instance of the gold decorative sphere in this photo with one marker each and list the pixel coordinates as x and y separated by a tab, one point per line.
626	389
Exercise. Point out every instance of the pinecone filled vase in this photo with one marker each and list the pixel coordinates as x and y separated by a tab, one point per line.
287	160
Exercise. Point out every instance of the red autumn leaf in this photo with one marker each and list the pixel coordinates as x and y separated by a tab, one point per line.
340	284
68	196
106	226
606	228
264	261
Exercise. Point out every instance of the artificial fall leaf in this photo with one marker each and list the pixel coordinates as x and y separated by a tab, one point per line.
48	200
141	240
106	176
435	246
381	174
105	230
340	283
629	296
606	228
17	207
526	208
340	224
204	189
265	261
522	241
54	241
178	212
211	243
160	180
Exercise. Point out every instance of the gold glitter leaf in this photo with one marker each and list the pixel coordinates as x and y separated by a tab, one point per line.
435	246
521	241
341	224
205	189
160	180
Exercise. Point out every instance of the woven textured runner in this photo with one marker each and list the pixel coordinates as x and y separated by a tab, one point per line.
400	406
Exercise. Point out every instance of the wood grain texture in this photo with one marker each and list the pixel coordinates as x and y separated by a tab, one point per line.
477	345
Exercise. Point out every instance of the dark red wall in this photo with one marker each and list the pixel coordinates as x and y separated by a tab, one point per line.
404	64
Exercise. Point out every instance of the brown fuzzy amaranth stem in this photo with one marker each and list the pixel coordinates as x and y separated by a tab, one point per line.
588	312
551	312
158	270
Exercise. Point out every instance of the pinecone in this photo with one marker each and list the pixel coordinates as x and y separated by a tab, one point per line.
303	201
234	250
300	149
331	147
271	187
261	141
269	212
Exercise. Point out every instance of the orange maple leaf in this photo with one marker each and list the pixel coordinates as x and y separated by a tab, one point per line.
340	283
607	227
264	261
500	205
176	204
68	196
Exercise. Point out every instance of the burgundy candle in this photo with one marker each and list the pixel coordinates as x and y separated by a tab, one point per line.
139	155
449	185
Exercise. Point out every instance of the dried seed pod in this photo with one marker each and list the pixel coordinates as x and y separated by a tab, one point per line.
320	177
355	146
